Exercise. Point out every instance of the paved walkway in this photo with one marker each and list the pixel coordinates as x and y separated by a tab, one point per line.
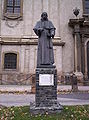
25	99
13	88
79	98
27	88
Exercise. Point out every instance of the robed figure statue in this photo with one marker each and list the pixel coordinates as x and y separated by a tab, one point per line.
45	31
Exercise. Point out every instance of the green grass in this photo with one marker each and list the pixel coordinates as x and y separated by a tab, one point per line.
22	113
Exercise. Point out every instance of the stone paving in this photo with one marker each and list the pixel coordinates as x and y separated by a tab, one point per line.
14	88
78	98
27	88
25	99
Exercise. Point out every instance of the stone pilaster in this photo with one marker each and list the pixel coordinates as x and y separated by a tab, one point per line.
0	67
77	50
75	24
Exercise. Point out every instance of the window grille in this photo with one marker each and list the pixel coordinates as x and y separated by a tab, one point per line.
13	6
13	9
10	61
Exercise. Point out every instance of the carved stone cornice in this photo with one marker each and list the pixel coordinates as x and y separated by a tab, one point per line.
28	41
73	22
80	25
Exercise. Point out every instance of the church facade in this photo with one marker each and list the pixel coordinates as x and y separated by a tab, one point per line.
18	43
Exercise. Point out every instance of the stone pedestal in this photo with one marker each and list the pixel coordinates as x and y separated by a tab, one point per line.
46	92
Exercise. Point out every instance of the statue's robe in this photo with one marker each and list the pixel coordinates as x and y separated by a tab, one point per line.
45	54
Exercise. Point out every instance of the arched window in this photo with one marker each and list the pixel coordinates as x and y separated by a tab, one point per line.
13	9
10	61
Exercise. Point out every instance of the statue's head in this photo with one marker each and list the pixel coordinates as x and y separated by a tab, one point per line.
44	16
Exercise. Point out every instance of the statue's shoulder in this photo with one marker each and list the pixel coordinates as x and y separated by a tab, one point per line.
50	22
38	22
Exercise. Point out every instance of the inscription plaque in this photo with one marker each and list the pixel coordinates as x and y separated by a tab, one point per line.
46	79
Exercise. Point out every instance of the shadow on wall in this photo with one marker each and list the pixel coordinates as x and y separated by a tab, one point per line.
16	79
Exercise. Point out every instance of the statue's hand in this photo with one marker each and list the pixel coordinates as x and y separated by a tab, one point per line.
40	29
52	35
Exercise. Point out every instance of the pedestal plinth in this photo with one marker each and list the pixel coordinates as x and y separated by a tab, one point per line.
46	92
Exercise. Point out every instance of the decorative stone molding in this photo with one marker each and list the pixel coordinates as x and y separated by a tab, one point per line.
73	22
28	41
11	23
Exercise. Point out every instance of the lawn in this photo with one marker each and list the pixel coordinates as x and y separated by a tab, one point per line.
22	113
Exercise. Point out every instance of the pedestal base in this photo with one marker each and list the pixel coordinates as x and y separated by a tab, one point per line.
46	87
46	92
55	108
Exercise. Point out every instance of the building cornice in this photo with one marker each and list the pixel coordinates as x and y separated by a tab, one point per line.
26	40
73	22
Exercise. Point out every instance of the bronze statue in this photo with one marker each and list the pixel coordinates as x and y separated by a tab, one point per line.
45	31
